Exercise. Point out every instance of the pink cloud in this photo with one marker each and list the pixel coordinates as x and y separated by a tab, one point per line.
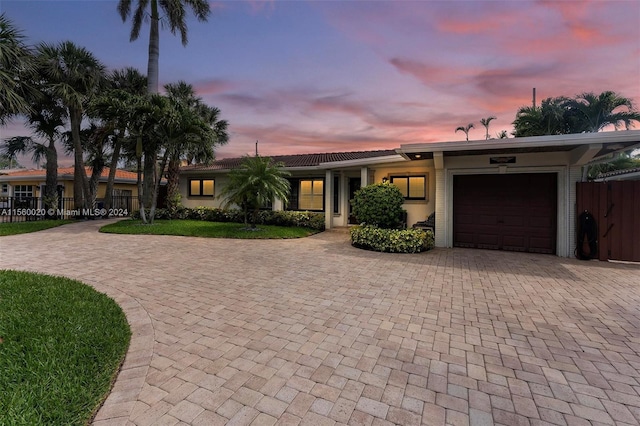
430	74
213	86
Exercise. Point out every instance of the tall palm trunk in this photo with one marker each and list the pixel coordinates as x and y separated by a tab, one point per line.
148	179
81	192
154	50
94	181
141	205
113	167
152	87
51	185
157	175
173	180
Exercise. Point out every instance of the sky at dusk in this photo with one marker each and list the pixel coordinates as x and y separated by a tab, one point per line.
323	76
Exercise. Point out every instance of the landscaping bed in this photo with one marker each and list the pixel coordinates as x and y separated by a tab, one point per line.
202	228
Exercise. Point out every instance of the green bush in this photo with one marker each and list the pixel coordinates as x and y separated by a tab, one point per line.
378	205
302	219
391	240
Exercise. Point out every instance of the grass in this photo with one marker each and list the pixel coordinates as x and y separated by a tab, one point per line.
61	344
15	228
198	228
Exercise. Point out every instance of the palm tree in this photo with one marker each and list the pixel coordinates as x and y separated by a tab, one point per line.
144	116
465	129
46	119
607	108
16	66
254	184
116	108
485	122
502	134
552	117
161	126
175	18
74	76
200	150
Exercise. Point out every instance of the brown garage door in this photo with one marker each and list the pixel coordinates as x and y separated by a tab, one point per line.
515	212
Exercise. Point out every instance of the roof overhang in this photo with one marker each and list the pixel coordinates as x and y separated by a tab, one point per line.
584	147
331	165
361	162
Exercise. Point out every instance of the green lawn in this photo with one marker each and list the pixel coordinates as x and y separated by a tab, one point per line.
15	228
61	345
198	228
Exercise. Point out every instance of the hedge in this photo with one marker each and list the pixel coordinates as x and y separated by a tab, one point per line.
303	219
391	240
379	205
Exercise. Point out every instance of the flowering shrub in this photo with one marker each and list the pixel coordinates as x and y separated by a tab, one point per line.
391	240
302	219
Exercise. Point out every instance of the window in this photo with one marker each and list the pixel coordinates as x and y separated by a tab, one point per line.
23	191
306	194
311	195
201	187
5	188
412	187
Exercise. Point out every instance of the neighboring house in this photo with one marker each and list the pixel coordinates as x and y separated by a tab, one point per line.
510	194
30	184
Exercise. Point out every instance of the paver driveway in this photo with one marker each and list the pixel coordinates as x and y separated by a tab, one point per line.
316	332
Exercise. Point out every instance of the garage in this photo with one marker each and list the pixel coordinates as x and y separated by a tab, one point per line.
514	212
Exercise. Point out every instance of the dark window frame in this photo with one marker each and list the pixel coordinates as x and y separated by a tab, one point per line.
201	185
294	196
23	192
407	177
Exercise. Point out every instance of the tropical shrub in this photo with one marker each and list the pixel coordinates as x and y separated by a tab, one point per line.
301	219
378	205
391	240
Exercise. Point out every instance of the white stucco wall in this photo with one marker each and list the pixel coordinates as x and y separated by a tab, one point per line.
525	163
417	210
191	201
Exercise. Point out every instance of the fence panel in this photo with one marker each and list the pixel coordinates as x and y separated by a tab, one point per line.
616	207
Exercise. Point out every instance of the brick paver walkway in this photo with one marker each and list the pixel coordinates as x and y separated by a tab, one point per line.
316	332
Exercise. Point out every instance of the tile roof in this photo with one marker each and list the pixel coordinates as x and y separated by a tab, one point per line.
618	173
67	172
297	160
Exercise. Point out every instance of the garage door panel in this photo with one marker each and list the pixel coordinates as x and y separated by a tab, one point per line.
513	220
465	219
514	212
513	241
484	219
488	239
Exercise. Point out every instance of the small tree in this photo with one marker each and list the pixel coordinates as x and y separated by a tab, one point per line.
255	183
379	205
485	122
465	129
